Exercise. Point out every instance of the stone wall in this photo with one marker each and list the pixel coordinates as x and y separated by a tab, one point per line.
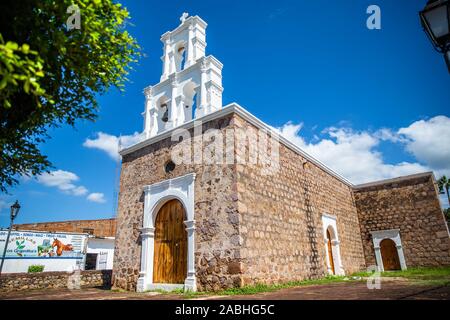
51	280
281	219
411	205
216	238
276	235
100	227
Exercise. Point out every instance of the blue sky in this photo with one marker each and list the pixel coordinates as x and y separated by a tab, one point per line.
346	94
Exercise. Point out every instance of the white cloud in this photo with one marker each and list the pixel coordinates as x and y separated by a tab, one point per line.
352	154
79	191
110	143
96	197
4	206
429	142
63	180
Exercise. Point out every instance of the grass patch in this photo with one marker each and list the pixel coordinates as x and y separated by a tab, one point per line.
259	288
174	291
253	289
426	276
118	290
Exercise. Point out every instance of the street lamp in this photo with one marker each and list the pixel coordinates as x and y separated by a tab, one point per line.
435	18
14	211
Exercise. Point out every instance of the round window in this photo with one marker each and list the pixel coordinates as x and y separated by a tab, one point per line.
169	166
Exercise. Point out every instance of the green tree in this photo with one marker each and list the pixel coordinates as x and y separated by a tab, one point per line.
447	215
51	76
444	187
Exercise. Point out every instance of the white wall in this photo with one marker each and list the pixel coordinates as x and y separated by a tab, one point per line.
15	265
102	246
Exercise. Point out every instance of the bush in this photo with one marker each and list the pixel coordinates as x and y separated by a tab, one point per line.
35	268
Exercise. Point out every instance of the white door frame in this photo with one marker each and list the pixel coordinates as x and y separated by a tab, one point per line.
156	195
329	222
394	235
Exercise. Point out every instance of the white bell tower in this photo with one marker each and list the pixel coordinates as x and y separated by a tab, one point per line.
191	83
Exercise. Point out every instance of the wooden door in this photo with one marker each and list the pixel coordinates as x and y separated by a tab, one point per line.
389	255
330	252
170	260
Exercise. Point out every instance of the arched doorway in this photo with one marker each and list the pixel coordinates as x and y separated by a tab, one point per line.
389	255
330	251
332	245
170	257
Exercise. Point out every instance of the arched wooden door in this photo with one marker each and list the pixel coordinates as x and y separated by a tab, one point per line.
389	255
330	251
170	260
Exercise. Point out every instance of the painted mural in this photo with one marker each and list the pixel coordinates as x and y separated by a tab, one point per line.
40	244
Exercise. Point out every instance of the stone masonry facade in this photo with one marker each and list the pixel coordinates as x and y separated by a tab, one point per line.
258	228
99	227
250	227
217	256
250	219
411	205
281	219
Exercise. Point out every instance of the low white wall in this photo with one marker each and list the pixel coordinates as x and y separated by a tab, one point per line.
16	265
102	247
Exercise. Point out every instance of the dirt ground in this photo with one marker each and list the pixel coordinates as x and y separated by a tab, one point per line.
391	289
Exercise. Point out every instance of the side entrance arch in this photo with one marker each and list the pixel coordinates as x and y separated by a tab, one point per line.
389	255
388	249
332	245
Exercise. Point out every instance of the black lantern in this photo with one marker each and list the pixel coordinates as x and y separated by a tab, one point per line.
435	18
15	210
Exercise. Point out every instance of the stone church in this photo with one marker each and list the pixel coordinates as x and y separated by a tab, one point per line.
258	212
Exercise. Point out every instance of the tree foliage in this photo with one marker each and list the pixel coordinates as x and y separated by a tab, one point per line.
51	76
444	187
447	214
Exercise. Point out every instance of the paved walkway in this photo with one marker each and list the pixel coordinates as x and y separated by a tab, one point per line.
390	290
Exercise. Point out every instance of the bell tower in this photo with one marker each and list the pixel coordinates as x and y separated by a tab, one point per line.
191	83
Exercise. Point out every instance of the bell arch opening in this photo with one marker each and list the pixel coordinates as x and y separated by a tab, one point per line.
180	56
163	109
190	100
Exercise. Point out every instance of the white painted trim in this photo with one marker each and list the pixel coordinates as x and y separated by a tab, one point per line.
329	221
156	195
394	235
226	110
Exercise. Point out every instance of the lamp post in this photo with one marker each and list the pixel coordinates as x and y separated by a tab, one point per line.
14	211
435	19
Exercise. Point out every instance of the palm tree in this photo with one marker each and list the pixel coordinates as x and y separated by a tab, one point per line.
444	186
